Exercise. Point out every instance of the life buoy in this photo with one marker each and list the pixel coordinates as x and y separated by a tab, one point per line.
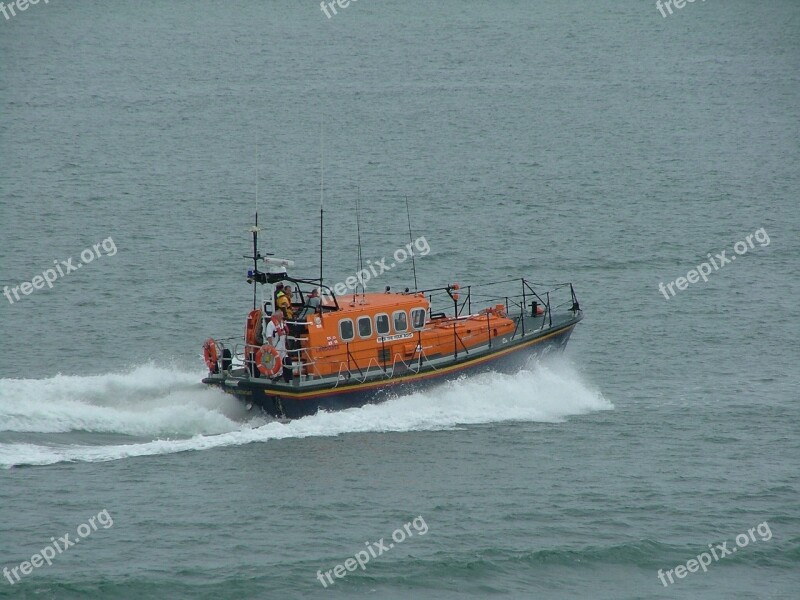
455	295
268	360
211	355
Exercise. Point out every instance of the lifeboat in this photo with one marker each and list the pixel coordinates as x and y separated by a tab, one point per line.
340	352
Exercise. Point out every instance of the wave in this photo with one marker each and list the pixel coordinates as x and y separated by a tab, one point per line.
152	401
147	401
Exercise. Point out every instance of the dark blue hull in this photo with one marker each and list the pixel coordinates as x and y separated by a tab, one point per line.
283	403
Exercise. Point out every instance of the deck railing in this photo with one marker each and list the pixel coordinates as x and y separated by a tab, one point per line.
358	363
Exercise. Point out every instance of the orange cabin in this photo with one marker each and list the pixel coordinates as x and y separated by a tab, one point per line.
379	331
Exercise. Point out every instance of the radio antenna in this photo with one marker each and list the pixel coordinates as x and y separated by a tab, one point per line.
255	235
321	188
358	231
411	245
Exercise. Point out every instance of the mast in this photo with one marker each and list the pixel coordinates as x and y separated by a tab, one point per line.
254	229
255	257
321	189
360	255
411	240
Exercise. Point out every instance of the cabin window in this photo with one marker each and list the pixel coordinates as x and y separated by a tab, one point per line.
400	321
346	330
364	327
418	318
382	324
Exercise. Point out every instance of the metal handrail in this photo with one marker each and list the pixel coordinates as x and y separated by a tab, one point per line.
518	302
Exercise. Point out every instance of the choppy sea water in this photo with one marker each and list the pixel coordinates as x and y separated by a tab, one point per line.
598	143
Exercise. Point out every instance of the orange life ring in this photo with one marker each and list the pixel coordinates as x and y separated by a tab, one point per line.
268	360
211	355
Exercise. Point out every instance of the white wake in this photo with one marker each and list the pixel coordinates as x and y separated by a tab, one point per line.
163	404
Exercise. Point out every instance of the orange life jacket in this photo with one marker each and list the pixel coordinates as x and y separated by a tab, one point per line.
252	335
280	327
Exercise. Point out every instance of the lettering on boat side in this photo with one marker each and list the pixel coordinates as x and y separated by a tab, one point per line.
398	336
333	344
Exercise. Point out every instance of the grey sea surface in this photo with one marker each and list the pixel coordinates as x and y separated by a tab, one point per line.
592	142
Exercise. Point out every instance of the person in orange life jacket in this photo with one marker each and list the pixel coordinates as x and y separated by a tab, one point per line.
278	290
283	300
298	327
276	335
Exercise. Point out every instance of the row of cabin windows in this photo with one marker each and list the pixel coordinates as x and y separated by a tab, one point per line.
399	319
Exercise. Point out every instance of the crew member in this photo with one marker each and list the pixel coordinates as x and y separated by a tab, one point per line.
313	302
284	301
278	290
276	335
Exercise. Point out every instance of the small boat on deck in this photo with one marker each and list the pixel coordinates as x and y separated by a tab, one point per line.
346	351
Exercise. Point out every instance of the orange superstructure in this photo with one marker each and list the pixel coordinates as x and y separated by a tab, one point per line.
380	330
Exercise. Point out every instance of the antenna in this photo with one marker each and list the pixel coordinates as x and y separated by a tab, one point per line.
358	231
411	245
255	234
257	161
321	187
